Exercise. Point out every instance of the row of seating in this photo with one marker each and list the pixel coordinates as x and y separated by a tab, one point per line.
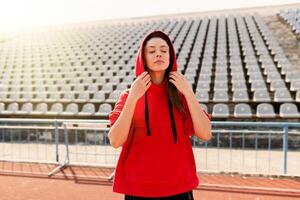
220	110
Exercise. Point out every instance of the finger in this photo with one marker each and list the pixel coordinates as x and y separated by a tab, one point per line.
172	77
147	80
148	85
146	77
173	82
142	75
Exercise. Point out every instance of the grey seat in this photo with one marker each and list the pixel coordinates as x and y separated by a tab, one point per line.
242	110
220	110
53	97
87	110
108	87
40	109
295	85
68	97
265	110
223	85
288	110
261	96
113	96
202	96
258	85
98	97
2	107
12	108
104	110
83	97
56	109
123	86
71	109
282	95
277	85
220	96
240	96
297	98
92	88
40	96
238	85
26	97
27	108
203	85
3	96
13	97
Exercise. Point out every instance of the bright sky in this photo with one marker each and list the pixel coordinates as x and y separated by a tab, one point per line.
19	14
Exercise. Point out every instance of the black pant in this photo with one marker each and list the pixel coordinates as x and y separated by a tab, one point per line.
182	196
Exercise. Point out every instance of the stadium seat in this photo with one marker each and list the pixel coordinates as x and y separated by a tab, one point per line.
258	85
240	96
82	97
277	85
56	109
220	110
220	96
12	108
202	96
87	110
282	95
104	110
242	110
40	109
261	96
265	110
288	110
53	97
113	96
221	86
26	109
71	110
2	107
297	98
295	85
68	97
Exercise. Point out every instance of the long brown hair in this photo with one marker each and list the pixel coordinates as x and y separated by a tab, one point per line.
174	95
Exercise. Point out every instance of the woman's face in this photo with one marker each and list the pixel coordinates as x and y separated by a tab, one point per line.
157	54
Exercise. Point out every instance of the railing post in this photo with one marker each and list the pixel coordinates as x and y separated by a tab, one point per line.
66	135
56	140
285	147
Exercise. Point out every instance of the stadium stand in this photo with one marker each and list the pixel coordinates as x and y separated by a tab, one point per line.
234	64
292	17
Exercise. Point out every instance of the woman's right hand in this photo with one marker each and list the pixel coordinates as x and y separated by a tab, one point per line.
140	86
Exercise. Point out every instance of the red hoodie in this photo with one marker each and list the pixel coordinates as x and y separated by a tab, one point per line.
154	165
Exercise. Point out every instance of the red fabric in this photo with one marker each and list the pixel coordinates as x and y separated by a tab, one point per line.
154	166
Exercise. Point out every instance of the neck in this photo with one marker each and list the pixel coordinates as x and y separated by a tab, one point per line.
157	77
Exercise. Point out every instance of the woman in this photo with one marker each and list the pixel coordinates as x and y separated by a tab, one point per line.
153	122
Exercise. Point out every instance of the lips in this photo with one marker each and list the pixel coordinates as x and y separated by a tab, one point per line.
159	61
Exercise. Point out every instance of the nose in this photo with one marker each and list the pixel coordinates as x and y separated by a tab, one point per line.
158	55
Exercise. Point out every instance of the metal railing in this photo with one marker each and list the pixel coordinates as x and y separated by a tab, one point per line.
243	147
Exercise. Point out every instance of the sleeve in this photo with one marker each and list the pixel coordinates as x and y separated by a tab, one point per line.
188	122
115	113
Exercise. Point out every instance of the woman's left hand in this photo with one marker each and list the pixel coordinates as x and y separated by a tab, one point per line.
180	82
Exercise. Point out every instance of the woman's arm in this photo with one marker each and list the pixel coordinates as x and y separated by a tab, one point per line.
118	133
201	122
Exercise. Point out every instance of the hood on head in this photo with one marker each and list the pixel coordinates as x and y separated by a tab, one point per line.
140	67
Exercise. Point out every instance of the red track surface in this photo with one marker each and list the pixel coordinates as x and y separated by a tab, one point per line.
20	181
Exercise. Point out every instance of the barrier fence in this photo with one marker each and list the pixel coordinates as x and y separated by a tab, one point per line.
243	147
